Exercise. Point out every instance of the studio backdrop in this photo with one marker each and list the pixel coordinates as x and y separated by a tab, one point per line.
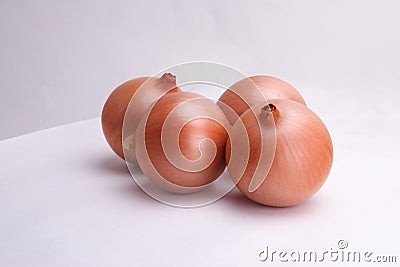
59	60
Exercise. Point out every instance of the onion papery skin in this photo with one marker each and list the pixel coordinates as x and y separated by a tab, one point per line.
253	91
201	140
302	160
113	114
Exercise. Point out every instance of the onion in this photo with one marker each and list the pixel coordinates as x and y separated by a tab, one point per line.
180	142
302	159
253	91
114	110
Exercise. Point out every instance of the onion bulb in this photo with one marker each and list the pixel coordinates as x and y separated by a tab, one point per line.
294	168
114	110
180	142
253	91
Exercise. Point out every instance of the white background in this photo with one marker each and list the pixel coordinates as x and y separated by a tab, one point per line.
67	200
59	60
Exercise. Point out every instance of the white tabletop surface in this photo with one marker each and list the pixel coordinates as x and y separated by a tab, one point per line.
67	200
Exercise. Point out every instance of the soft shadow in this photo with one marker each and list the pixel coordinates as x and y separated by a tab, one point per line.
111	163
135	194
241	204
125	186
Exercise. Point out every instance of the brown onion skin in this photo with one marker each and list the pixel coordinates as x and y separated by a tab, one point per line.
303	155
114	109
244	94
169	177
